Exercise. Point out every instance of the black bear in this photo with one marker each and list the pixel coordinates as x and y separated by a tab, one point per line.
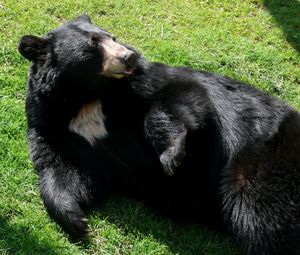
98	113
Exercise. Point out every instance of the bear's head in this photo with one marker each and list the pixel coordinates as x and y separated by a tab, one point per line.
79	48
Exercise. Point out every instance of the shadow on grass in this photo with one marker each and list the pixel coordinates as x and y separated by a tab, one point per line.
180	237
286	13
16	239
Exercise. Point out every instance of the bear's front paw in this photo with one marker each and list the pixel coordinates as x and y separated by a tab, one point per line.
82	229
76	225
171	159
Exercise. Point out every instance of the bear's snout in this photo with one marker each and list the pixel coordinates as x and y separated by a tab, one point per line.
129	59
118	60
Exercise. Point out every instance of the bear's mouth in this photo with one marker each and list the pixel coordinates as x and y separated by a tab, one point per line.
118	73
125	72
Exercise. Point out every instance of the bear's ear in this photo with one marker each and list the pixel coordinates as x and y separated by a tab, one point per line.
84	18
31	47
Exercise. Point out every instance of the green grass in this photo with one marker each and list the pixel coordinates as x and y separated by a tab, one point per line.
253	40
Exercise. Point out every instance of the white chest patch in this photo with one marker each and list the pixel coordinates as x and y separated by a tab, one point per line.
89	122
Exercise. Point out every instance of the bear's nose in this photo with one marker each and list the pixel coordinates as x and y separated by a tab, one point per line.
129	59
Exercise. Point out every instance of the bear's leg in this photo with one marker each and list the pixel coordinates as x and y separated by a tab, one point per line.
67	178
63	194
168	135
174	154
261	197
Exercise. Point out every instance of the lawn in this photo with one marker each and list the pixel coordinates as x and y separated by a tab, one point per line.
252	40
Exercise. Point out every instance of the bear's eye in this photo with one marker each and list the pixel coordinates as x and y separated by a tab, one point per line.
114	38
95	40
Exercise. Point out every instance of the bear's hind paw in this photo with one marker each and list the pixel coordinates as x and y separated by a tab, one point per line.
171	159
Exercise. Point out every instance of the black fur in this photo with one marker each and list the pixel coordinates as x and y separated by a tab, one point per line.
236	149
